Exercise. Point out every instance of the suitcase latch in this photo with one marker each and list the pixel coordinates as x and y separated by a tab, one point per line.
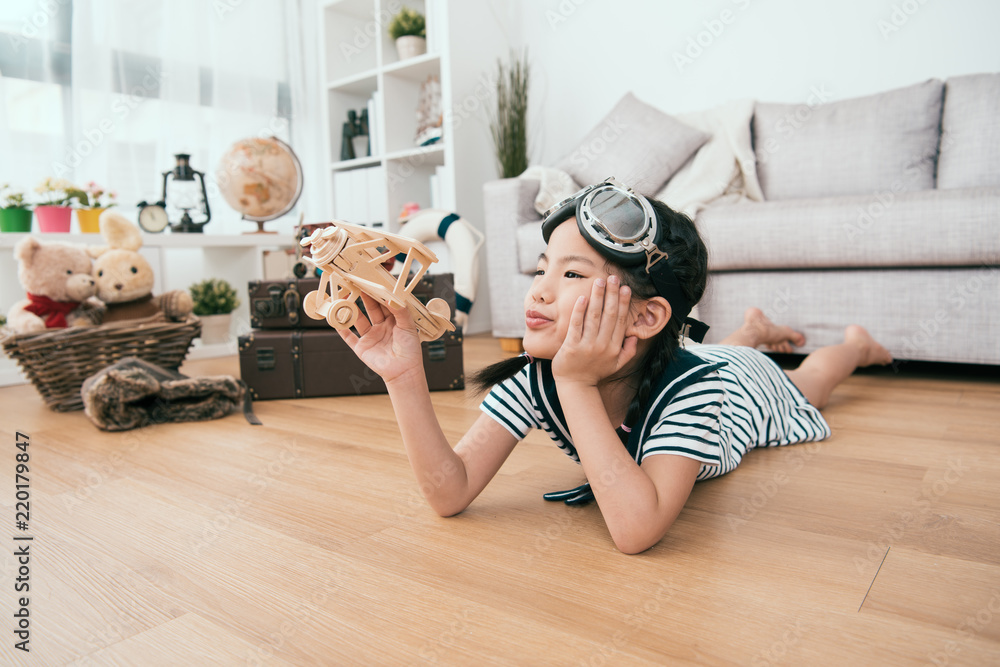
273	305
291	297
436	350
265	359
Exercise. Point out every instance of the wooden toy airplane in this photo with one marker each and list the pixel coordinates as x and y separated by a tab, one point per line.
350	258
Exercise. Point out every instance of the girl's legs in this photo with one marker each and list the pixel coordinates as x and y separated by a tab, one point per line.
822	370
828	366
758	330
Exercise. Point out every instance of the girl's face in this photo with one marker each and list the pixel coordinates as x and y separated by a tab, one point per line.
566	271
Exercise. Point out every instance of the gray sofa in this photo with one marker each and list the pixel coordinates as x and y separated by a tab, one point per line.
882	211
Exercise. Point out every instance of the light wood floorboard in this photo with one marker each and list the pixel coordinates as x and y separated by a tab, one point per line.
305	541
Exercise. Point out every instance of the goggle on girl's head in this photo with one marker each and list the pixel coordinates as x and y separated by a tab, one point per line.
622	226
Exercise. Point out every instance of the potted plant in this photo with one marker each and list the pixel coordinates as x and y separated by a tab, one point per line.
15	213
509	122
408	30
93	201
214	301
53	211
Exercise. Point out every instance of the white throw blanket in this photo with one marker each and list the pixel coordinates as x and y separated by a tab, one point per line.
723	169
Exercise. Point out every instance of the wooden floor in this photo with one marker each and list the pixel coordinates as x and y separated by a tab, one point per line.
225	543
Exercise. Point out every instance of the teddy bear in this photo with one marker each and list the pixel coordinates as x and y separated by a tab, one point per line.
125	279
57	278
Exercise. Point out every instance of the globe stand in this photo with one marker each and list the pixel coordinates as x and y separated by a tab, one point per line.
260	226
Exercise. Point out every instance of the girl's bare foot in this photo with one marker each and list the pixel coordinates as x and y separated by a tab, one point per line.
871	352
762	331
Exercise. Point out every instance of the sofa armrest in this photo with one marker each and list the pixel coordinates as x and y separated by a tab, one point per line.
508	204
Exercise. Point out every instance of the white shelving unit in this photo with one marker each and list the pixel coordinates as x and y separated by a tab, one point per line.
360	66
359	63
178	260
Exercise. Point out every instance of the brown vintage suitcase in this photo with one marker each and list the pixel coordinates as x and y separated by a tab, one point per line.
306	363
277	304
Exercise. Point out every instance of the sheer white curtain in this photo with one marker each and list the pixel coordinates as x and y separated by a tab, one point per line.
148	79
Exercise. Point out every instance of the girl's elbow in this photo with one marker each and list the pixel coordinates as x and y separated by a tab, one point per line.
639	540
632	547
446	509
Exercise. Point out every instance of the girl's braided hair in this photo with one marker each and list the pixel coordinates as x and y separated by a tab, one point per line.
688	259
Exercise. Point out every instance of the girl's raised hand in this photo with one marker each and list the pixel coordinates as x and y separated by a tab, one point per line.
595	346
387	341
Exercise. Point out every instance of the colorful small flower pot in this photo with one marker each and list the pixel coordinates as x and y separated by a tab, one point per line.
53	219
88	219
15	219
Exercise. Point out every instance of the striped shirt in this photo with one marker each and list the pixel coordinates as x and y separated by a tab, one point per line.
713	404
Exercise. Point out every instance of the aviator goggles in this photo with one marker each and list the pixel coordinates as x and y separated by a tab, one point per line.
622	226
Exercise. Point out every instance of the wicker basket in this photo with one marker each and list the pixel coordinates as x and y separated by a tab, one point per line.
57	362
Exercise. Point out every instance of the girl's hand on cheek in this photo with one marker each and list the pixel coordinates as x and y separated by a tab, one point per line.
595	345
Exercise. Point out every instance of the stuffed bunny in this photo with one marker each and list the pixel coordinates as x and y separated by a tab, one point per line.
125	279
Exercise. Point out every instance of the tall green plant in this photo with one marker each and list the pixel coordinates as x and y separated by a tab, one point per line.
509	123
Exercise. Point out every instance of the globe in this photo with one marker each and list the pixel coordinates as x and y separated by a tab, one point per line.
261	178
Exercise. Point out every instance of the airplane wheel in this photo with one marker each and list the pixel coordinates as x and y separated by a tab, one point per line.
343	314
439	307
311	304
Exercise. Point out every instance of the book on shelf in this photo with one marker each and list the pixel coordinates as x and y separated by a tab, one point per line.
359	196
375	123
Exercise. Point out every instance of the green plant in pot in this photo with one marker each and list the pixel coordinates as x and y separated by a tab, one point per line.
509	121
214	301
15	213
408	29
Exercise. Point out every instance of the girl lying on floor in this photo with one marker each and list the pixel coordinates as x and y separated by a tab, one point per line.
606	376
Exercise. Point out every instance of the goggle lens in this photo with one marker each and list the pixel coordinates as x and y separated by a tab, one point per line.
621	217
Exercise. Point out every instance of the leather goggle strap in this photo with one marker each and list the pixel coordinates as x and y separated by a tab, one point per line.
666	284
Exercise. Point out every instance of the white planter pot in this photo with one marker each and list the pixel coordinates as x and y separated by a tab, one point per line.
215	328
410	46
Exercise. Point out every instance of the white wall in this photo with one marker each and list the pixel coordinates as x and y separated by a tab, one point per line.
684	56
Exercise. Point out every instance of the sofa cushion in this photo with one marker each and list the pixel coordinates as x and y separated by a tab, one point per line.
970	136
852	147
636	143
888	229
